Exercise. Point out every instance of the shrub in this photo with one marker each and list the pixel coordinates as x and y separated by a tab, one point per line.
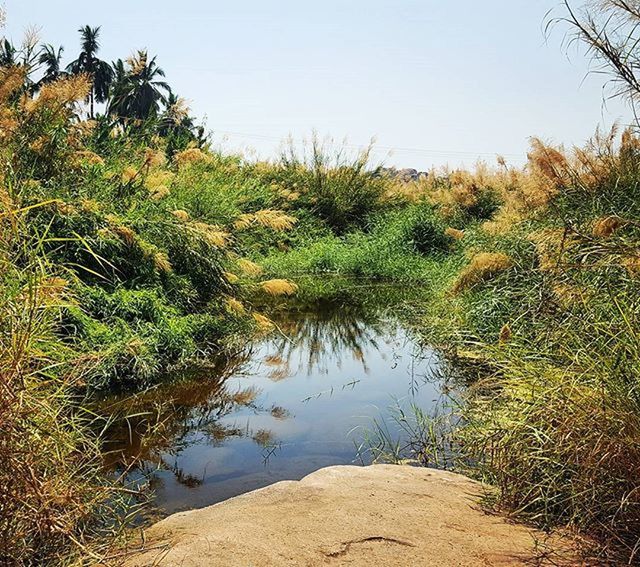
340	188
483	266
427	234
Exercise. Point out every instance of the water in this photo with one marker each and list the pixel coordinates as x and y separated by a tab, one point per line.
289	405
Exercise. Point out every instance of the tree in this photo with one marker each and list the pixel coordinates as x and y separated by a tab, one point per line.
178	127
99	71
8	53
137	92
610	29
50	58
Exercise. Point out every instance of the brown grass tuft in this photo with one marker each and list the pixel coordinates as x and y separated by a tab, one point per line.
235	306
249	268
606	226
231	277
279	287
264	323
11	79
161	262
482	267
454	233
505	333
551	245
158	193
56	96
190	156
159	178
211	233
269	218
632	265
181	215
129	174
87	157
153	158
127	235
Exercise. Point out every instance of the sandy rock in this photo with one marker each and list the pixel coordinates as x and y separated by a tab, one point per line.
346	515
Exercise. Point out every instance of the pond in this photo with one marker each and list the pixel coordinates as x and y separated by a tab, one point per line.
304	398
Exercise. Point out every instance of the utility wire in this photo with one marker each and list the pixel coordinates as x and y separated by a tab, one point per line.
436	153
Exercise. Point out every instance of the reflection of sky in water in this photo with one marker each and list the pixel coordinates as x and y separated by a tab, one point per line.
315	393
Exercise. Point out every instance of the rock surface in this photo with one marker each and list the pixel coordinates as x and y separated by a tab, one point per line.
345	515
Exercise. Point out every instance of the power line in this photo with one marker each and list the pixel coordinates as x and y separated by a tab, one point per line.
433	152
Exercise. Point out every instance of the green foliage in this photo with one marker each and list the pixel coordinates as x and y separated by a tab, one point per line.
405	245
337	187
427	233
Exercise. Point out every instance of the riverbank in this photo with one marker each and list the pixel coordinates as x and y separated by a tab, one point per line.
126	257
345	515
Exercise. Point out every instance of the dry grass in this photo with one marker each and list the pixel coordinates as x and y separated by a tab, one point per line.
454	233
191	156
264	324
607	226
483	266
268	218
249	268
235	306
213	234
279	287
181	215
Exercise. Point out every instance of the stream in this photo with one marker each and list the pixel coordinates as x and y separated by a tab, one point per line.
304	398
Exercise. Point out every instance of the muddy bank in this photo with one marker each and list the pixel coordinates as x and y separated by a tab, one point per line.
347	515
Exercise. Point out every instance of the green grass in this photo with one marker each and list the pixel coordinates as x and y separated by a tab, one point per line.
404	245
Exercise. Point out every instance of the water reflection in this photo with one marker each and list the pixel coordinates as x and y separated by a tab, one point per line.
288	405
319	336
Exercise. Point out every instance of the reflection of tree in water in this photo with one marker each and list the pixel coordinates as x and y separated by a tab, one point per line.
318	337
156	426
149	428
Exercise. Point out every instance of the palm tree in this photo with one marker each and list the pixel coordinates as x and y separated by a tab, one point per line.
8	53
87	62
50	58
137	91
175	116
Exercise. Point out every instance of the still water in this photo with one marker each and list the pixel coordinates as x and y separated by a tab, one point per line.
302	399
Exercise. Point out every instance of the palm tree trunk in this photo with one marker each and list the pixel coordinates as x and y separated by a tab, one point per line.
91	112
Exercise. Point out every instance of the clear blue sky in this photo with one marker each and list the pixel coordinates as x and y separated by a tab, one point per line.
455	80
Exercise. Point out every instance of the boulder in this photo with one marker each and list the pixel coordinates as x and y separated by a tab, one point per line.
347	515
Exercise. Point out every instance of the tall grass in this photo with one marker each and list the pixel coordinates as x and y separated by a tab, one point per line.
55	503
545	311
339	186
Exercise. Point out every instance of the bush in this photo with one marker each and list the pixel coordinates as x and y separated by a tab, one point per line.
427	234
339	188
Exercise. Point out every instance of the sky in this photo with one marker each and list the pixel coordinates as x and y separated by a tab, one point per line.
432	82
